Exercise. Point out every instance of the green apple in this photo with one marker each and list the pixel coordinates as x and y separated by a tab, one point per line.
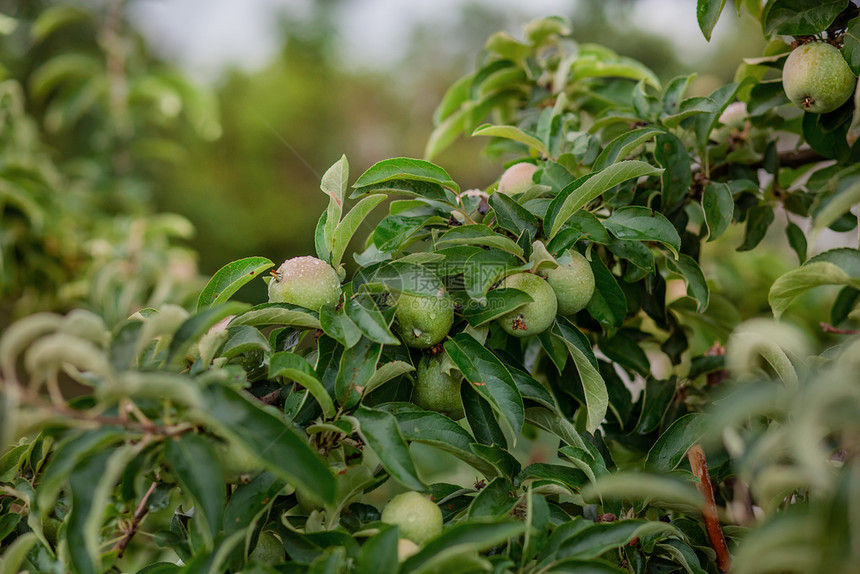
532	318
436	390
424	321
573	284
236	460
817	78
305	281
269	549
419	519
517	179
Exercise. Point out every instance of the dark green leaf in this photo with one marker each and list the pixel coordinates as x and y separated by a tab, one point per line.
395	231
759	219
479	235
481	417
657	397
512	216
277	314
642	224
381	433
197	325
379	553
719	208
797	240
677	175
269	437
487	375
499	302
229	279
338	326
799	17
623	145
576	195
298	369
708	13
503	461
195	465
357	366
687	268
673	444
608	304
461	540
250	500
369	319
243	339
483	269
851	45
570	478
494	501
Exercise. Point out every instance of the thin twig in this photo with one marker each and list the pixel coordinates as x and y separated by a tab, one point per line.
828	328
139	513
789	159
699	466
272	398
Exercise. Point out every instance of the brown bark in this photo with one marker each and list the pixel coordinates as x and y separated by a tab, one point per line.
699	466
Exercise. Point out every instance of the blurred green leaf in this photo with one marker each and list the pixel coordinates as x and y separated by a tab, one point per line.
799	17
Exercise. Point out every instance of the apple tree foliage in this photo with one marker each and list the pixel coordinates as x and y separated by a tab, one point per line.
195	432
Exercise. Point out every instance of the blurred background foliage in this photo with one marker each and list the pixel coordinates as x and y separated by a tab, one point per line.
112	132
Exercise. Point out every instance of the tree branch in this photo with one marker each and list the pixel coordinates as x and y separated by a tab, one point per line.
699	466
137	518
795	158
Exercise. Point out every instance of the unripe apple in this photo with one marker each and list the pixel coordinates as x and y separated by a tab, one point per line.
424	321
305	281
817	78
517	179
236	461
436	390
573	284
269	549
419	519
532	318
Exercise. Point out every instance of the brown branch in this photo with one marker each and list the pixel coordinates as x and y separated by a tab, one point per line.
699	466
828	328
272	398
790	159
137	518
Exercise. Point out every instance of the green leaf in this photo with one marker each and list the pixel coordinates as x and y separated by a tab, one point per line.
479	235
277	314
596	395
380	432
799	17
249	501
695	106
596	539
195	466
642	224
197	325
494	501
641	486
405	169
851	46
513	133
485	268
243	339
759	219
576	195
396	231
503	461
811	274
552	422
90	485
387	372
462	539
840	204
482	419
719	207
499	302
677	175
434	429
608	304
513	217
689	270
55	17
797	240
339	327
298	369
369	319
347	228
672	446
16	552
487	375
623	145
379	553
229	279
268	436
572	479
708	13
357	365
334	182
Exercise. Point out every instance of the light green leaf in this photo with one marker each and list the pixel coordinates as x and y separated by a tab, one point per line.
380	432
835	208
796	282
229	279
334	183
15	554
708	13
298	369
641	224
576	195
513	133
596	395
347	228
